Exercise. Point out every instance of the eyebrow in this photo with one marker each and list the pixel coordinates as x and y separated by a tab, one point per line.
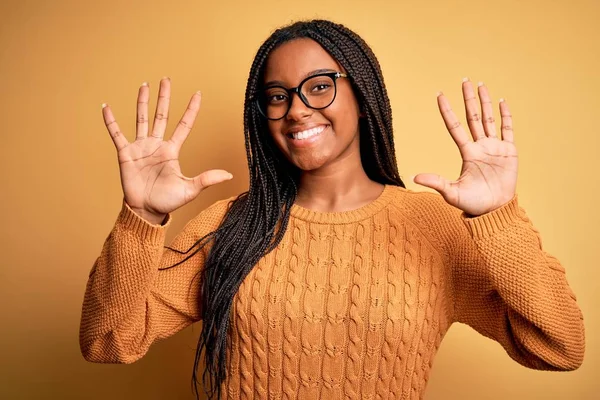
311	73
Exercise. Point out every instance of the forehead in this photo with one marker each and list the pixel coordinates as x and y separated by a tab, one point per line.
294	60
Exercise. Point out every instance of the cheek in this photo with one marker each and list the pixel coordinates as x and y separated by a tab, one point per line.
344	112
344	119
280	142
275	129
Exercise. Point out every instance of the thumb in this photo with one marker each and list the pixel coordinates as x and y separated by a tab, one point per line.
208	178
433	181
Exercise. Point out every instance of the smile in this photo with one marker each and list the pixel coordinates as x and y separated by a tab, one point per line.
307	134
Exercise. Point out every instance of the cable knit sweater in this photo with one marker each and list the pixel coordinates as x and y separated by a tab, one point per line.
350	304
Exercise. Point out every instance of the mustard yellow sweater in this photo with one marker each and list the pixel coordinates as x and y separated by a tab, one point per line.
350	304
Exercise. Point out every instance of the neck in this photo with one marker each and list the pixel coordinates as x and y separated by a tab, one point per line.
343	186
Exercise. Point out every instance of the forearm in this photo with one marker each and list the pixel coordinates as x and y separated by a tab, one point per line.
542	325
115	301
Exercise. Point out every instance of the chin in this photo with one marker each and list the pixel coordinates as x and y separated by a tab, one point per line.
310	162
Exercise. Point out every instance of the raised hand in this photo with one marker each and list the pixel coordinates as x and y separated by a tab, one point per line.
151	177
488	178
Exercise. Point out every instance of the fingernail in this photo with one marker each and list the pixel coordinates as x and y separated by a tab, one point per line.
104	105
166	77
145	84
412	178
465	79
480	83
199	93
230	176
439	94
501	100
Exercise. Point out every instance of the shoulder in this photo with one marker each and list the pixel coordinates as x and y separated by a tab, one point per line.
425	205
430	213
211	217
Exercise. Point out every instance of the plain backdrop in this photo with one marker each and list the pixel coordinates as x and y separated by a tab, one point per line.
59	179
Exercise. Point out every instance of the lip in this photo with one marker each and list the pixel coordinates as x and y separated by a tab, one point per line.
306	142
300	128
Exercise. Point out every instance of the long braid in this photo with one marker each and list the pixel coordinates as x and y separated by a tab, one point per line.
257	219
371	86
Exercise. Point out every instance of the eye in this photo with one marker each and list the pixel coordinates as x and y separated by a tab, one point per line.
320	87
275	95
276	98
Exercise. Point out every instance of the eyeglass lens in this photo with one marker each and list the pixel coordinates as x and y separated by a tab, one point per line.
317	92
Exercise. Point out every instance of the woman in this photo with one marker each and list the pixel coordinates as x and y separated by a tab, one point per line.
327	278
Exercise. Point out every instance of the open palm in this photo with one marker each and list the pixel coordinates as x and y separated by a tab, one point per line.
150	172
488	176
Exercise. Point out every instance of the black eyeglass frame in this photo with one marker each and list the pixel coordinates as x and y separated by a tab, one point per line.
333	75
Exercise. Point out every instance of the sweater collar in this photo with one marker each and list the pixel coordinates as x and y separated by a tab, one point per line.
344	217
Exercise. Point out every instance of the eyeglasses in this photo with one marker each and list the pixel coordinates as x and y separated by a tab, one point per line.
316	92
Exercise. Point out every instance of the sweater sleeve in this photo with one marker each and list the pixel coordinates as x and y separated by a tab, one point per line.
509	289
135	295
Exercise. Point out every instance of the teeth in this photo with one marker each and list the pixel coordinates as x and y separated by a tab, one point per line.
308	133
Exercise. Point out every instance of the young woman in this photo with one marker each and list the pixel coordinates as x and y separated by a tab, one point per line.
327	279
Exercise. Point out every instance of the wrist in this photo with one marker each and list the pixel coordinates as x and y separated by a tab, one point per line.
155	219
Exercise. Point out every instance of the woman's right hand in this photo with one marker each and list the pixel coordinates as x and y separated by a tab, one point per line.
151	177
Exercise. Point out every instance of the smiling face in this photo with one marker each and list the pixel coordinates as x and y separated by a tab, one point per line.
312	139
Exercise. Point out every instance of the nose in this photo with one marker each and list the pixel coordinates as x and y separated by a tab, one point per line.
298	110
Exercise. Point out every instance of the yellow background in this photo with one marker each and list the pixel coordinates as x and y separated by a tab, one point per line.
60	190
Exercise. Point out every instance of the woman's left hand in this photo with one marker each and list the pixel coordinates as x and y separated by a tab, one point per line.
488	178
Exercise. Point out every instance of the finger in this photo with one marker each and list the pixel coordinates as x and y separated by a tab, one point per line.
207	179
506	122
187	121
487	111
435	182
161	115
452	123
116	135
472	110
141	125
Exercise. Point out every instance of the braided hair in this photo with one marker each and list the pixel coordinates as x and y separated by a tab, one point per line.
256	220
